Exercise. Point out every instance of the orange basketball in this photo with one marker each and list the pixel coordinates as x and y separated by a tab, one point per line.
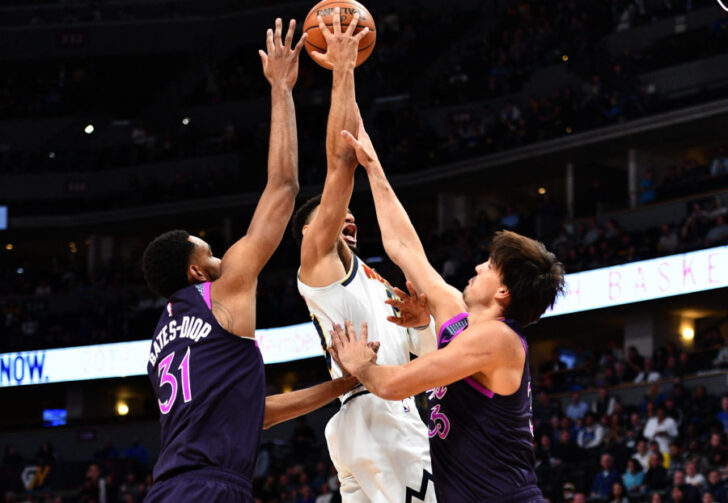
325	9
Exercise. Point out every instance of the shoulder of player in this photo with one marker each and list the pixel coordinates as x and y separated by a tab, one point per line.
321	269
494	337
229	288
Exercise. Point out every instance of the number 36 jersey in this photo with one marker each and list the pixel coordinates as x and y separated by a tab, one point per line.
210	389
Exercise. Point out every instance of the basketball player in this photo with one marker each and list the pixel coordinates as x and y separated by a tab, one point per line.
204	365
379	447
481	437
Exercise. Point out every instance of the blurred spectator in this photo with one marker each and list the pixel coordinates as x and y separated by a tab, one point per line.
721	359
715	487
137	452
648	187
655	479
604	403
694	478
719	166
107	451
632	477
618	494
94	489
642	455
676	459
669	241
605	478
648	374
718	234
577	408
591	436
689	493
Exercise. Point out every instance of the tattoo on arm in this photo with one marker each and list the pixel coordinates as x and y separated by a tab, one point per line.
223	315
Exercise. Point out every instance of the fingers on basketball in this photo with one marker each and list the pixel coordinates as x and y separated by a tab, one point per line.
319	31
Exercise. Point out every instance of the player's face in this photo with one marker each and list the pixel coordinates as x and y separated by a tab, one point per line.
348	231
203	264
347	236
484	286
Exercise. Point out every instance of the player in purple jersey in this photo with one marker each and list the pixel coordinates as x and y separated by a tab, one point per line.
478	379
204	365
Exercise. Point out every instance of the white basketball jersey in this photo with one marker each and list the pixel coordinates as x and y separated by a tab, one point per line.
360	297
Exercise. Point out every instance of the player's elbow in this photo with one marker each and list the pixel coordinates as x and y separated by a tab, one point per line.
286	185
272	415
269	422
391	391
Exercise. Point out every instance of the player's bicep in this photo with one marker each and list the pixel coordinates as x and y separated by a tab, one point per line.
439	368
246	258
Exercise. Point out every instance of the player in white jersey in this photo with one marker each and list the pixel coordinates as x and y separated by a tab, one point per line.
380	448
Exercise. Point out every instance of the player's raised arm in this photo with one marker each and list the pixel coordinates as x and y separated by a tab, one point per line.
320	264
399	237
245	259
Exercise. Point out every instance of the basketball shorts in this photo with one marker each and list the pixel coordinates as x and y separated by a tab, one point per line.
381	451
204	484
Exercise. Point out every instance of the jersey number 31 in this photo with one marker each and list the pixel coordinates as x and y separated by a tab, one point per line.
166	378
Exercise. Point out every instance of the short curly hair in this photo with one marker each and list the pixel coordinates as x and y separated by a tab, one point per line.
302	217
165	262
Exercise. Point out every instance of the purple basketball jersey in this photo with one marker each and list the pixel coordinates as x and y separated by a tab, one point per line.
481	443
210	388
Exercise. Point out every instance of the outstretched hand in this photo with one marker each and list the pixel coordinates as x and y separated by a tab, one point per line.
280	62
350	352
412	307
362	145
342	48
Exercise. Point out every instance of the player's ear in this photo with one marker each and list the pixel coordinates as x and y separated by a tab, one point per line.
196	274
503	293
303	229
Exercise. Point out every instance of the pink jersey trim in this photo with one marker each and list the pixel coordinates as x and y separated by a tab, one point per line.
479	387
206	295
450	322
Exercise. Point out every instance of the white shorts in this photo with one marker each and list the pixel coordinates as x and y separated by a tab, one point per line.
381	450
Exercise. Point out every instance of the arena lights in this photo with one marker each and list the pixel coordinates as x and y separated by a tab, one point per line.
9	247
186	121
89	129
122	408
542	190
688	334
51	155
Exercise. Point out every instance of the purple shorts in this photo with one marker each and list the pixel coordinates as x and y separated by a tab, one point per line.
204	484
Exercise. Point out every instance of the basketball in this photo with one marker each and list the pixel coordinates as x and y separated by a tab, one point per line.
325	9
